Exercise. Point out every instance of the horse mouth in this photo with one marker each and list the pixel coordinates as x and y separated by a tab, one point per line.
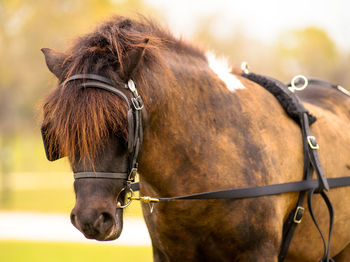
114	234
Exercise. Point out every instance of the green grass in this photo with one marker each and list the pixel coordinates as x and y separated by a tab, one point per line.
23	251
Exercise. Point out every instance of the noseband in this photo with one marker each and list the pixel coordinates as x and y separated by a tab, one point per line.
135	133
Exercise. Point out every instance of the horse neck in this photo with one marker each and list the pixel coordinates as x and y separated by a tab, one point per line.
196	129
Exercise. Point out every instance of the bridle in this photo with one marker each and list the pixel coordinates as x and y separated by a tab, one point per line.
135	132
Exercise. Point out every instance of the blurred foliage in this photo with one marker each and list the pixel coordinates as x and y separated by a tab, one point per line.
26	27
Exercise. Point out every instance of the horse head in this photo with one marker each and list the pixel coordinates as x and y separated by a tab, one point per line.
95	128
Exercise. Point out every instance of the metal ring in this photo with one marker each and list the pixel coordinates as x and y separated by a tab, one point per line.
128	190
293	87
245	67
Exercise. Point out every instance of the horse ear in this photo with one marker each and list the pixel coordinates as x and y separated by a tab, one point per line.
54	61
132	61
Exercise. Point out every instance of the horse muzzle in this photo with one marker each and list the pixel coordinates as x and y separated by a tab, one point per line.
102	225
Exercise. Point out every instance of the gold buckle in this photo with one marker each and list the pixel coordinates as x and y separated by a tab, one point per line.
296	213
146	199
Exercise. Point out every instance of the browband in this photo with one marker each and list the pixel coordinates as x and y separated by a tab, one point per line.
88	77
109	88
100	82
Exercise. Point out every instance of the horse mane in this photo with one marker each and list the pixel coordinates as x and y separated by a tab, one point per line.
78	121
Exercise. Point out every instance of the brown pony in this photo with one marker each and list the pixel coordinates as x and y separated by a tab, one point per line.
204	130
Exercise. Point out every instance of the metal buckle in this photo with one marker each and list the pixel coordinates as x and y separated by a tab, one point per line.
298	215
132	174
137	102
312	142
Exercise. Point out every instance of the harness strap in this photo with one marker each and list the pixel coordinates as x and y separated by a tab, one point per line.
257	191
311	164
295	216
316	81
312	150
326	245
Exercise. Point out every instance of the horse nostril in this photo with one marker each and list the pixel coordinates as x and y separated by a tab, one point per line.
104	222
107	217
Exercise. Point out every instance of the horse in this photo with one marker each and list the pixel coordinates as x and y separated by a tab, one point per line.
205	128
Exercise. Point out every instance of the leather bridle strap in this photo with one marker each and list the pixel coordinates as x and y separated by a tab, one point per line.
100	82
88	77
94	84
80	175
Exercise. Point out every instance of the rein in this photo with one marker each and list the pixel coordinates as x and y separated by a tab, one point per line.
251	192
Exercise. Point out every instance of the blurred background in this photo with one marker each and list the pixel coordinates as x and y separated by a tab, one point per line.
276	38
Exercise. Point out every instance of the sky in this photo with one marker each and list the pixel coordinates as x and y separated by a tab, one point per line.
263	20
